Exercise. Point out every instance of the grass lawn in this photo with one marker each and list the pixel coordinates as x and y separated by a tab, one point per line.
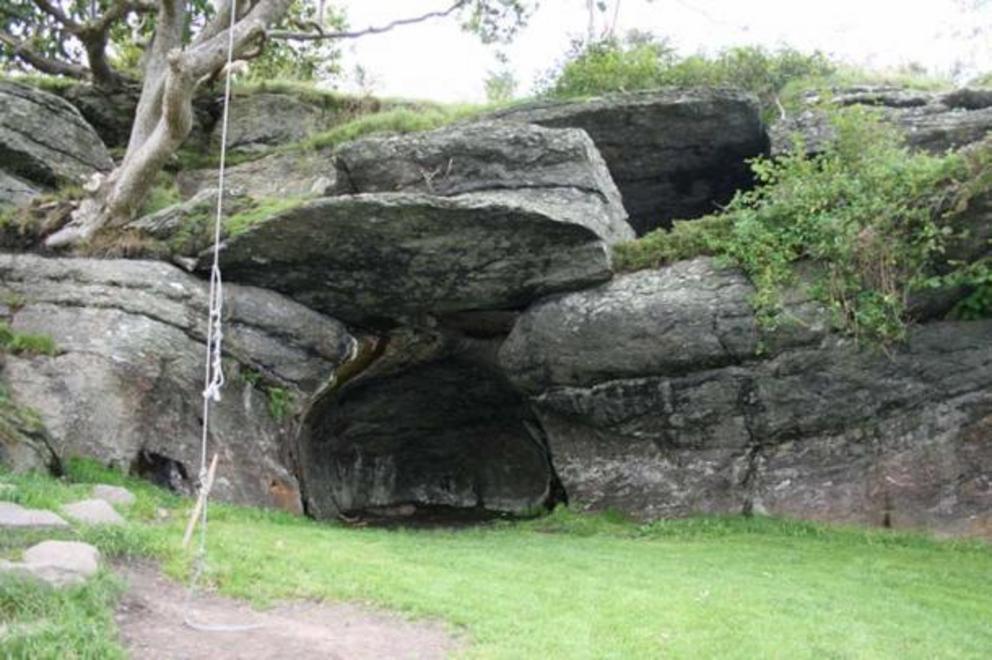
565	586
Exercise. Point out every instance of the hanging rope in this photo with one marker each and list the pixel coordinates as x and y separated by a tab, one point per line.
213	379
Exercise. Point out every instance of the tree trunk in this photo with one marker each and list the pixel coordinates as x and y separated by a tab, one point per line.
164	116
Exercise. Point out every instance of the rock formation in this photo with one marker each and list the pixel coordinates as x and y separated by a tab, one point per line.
430	325
674	154
124	386
660	397
932	121
44	143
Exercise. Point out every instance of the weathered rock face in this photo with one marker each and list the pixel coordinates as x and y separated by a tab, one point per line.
517	212
263	120
24	442
276	175
655	401
557	171
125	384
931	121
673	154
44	142
15	191
377	259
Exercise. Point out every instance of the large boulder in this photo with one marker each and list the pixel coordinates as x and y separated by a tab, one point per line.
930	121
124	385
660	396
673	153
560	171
379	259
44	143
477	217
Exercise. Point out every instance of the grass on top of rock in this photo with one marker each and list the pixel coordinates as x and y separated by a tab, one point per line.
391	122
875	216
259	210
705	587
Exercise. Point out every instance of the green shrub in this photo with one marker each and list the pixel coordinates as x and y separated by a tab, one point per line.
641	62
872	216
779	78
685	240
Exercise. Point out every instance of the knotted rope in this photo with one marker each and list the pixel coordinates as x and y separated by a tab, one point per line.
213	380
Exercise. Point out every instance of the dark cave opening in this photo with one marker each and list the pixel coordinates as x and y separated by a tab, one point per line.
449	442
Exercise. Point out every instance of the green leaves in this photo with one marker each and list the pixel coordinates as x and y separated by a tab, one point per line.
643	62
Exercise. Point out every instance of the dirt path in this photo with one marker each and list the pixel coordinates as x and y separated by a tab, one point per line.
150	617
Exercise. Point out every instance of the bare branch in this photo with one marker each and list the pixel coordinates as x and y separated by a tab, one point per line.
44	64
320	34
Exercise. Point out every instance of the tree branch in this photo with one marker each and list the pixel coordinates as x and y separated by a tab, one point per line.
44	64
320	34
57	13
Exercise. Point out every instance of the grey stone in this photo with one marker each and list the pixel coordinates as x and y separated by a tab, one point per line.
692	315
263	120
373	259
557	170
293	174
113	494
44	141
15	515
25	444
682	414
93	512
125	387
673	153
930	121
15	191
58	563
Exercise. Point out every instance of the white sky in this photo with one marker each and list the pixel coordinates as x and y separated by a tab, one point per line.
437	60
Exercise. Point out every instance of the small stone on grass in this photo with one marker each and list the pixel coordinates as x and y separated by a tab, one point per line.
93	512
113	494
58	563
15	515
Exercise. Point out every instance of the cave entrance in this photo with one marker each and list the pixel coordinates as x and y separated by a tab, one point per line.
447	441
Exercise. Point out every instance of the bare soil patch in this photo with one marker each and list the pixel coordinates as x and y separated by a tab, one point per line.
152	612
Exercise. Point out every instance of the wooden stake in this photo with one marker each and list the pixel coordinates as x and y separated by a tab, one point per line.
200	502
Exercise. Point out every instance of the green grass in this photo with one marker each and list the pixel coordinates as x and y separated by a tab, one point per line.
163	194
259	210
42	623
394	121
25	342
567	585
54	84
